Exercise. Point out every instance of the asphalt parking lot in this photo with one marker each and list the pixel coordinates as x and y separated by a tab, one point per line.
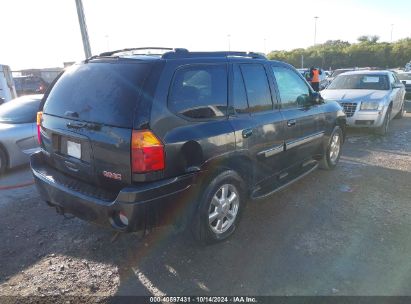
343	232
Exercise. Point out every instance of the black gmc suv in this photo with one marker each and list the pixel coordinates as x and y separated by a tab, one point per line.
133	140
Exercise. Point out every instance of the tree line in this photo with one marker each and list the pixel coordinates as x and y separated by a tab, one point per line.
334	54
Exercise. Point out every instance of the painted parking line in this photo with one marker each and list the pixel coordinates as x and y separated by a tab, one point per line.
10	187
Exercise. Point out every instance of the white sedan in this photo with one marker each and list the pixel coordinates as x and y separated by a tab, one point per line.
369	98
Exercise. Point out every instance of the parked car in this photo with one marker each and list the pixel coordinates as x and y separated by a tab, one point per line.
405	78
135	141
323	77
338	72
369	98
18	131
30	85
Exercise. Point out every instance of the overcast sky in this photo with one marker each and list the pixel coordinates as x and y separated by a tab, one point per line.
45	33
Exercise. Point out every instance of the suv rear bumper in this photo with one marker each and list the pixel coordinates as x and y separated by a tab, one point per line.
148	204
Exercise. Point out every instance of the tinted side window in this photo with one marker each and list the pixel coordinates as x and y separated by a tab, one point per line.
293	90
200	92
239	93
257	87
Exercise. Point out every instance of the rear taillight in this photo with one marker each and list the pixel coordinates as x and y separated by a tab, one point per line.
39	116
147	152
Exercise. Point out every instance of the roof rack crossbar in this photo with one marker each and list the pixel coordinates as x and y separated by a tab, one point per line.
109	53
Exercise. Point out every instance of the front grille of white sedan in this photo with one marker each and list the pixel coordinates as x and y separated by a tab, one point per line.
349	108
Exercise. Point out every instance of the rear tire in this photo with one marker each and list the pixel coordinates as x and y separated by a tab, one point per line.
3	162
333	151
220	208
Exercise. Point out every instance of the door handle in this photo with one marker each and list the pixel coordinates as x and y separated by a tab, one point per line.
247	133
291	122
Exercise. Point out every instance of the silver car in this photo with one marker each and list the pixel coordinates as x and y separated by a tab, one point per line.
369	98
18	130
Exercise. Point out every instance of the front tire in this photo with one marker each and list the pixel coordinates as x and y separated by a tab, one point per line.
333	151
401	113
383	130
220	208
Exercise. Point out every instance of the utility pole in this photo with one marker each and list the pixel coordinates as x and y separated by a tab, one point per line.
315	29
392	28
229	42
83	28
302	61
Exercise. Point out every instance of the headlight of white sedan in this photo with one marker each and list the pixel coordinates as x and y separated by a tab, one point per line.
370	105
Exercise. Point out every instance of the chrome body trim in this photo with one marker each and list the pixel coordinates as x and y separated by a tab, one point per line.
304	140
272	151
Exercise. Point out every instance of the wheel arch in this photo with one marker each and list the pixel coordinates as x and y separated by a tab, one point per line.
341	121
237	162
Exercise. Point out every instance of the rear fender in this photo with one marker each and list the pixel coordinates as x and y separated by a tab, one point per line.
236	161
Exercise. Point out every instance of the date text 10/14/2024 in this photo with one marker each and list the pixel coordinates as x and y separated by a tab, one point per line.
203	299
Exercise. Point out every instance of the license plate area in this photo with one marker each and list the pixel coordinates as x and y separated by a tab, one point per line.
74	149
72	155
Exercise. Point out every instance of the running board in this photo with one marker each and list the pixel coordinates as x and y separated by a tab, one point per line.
286	184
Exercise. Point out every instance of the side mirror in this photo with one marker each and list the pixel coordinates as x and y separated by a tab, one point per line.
397	85
1	100
316	98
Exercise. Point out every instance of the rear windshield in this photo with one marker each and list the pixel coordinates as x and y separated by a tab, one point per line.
100	92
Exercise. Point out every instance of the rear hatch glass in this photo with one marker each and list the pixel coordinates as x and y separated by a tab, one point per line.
98	92
88	120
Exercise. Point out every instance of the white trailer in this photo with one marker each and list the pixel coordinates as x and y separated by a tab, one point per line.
7	88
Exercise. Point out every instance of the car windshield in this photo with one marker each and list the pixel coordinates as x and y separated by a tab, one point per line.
20	110
404	76
360	82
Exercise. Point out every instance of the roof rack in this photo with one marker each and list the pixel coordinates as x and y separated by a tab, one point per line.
110	53
175	53
183	53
